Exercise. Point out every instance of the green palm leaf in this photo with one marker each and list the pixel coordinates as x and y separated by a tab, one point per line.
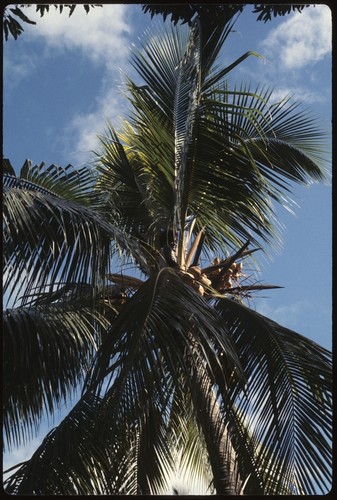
158	65
288	145
48	239
239	146
65	182
132	186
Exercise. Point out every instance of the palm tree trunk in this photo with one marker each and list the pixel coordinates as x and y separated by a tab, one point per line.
221	452
222	455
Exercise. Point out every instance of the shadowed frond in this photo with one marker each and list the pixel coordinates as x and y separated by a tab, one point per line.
136	369
163	309
48	239
142	359
190	467
74	459
48	351
286	404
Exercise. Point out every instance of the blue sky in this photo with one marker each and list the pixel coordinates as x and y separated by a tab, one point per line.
63	81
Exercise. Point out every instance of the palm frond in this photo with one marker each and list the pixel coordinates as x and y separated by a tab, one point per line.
186	102
138	193
66	182
48	239
239	146
158	63
286	403
154	455
48	351
216	77
242	131
294	146
157	323
222	455
142	359
73	459
190	466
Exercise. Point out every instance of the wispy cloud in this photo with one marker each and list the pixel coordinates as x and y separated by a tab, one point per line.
102	38
289	315
16	67
86	127
292	48
298	92
302	39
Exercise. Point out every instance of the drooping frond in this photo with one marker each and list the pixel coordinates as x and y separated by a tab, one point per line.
154	325
286	142
48	239
286	404
136	369
190	471
75	458
48	351
142	359
222	455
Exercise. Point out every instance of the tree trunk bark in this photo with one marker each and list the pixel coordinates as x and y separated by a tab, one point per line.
222	455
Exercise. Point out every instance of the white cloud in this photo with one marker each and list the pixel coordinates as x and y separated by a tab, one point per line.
101	35
86	127
16	67
304	38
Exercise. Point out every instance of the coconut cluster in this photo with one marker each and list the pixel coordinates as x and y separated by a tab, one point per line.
194	277
224	277
219	277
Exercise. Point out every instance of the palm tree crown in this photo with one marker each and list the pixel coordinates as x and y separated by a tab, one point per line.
172	361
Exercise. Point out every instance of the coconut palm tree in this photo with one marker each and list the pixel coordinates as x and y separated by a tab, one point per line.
172	361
